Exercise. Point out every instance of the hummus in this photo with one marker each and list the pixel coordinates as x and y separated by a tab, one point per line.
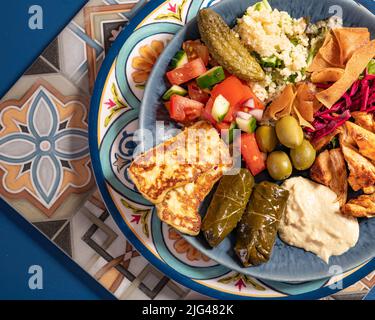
313	220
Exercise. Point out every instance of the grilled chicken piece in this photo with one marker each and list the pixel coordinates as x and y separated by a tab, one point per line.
329	169
362	171
321	171
339	183
365	139
364	120
361	207
345	139
369	190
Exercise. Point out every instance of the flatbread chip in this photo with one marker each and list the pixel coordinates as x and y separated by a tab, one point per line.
355	66
301	120
318	64
350	40
327	75
282	105
304	101
329	51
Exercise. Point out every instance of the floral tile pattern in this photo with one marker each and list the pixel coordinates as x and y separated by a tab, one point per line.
44	152
102	24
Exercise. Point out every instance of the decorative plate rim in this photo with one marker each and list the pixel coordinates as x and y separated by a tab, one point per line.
101	183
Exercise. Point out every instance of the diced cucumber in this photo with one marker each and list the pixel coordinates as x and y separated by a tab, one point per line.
220	108
174	90
228	134
271	62
211	77
179	59
263	4
247	125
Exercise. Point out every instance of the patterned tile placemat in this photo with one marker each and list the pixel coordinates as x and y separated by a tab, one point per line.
52	186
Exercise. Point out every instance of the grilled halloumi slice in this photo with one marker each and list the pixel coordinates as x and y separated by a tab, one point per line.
362	171
364	139
179	161
180	207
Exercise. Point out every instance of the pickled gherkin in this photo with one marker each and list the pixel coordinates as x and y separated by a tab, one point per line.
258	227
226	48
227	206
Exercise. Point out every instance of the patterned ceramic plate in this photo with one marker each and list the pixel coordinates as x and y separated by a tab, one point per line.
113	121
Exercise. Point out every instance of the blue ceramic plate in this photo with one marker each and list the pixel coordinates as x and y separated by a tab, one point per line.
287	263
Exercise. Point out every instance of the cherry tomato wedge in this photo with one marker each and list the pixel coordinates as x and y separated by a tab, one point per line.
254	158
196	49
207	111
235	92
197	93
184	109
187	72
249	94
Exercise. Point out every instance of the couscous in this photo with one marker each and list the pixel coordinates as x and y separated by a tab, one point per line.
282	46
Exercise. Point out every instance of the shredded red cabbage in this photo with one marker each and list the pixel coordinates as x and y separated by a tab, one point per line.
360	97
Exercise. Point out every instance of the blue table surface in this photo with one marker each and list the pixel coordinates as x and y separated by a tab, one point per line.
21	245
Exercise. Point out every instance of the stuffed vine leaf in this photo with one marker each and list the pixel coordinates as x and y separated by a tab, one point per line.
258	227
227	206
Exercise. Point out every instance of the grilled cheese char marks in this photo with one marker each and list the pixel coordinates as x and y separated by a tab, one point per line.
178	174
178	161
180	207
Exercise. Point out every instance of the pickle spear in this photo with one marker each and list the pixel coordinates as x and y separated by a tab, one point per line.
226	48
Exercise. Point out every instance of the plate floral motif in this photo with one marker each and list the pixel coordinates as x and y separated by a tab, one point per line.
184	247
144	63
174	11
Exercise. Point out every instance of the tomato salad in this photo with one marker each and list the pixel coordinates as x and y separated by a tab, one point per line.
201	89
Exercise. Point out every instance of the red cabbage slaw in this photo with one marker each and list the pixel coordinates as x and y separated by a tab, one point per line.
360	97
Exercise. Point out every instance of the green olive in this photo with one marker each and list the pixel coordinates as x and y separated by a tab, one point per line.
279	165
289	132
303	156
266	138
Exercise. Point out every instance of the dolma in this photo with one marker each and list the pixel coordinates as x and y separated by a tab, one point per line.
227	206
258	227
